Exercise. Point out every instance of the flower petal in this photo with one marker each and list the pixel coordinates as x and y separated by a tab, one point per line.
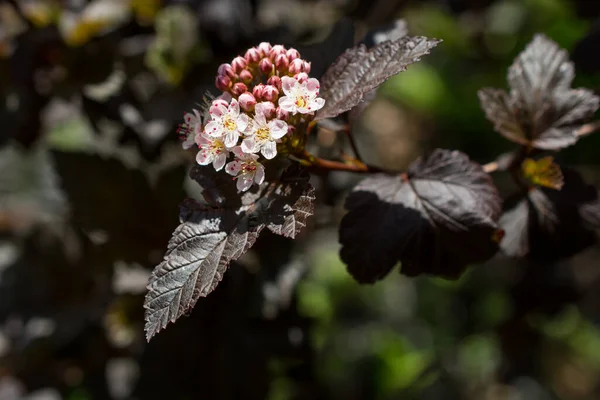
234	108
214	129
233	167
243	183
242	122
249	145
287	104
231	138
287	83
313	85
239	153
219	161
260	118
188	142
259	176
269	150
316	104
204	157
278	128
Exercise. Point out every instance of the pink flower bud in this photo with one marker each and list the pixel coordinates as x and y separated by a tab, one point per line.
264	48
301	77
223	83
270	93
282	114
238	64
266	66
258	90
247	101
246	76
275	81
266	108
306	67
296	66
226	70
238	88
291	130
281	62
276	51
292	54
214	107
252	55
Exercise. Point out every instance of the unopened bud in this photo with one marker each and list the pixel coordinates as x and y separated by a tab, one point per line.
296	66
306	67
247	101
252	55
264	48
238	88
270	93
282	62
266	108
282	114
276	51
223	83
226	70
292	54
266	66
258	90
239	64
301	77
246	76
275	81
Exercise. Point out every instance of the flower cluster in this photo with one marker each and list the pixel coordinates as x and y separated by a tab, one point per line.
267	94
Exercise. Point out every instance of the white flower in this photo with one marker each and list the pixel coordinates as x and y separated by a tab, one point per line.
263	136
191	127
228	122
212	150
300	97
246	169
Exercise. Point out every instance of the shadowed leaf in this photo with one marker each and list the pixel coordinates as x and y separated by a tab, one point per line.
548	224
436	219
541	109
360	70
543	172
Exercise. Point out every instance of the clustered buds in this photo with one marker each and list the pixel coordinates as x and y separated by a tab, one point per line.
267	94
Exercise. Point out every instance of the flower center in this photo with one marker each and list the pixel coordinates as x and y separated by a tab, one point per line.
229	124
301	102
217	146
263	134
248	168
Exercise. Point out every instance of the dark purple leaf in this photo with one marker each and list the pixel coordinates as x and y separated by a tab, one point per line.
436	219
547	224
360	70
541	109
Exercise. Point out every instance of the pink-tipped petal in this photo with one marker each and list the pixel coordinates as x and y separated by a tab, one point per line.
234	108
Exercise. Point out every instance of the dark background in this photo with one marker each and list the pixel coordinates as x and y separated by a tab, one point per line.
92	172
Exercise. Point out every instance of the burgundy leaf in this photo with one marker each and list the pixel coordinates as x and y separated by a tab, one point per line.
436	219
541	109
360	70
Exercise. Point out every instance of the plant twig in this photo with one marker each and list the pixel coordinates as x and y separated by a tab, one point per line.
490	167
330	165
588	128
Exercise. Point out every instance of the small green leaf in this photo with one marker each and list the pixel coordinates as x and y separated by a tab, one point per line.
543	172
